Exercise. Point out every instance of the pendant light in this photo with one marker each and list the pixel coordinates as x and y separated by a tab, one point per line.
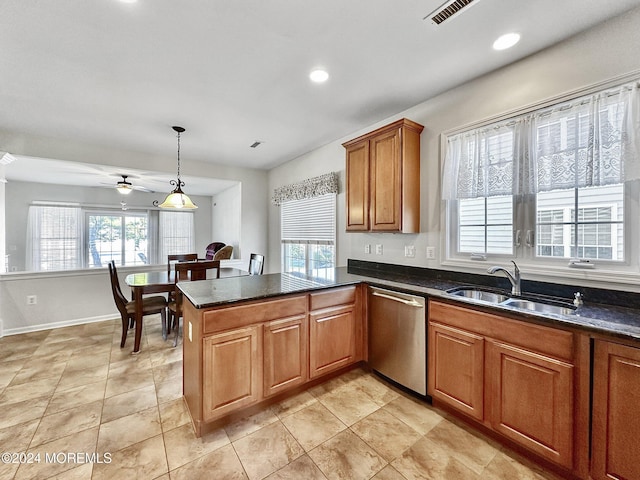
177	198
124	187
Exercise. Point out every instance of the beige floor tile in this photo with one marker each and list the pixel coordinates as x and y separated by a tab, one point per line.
82	377
301	468
29	390
142	460
129	364
348	404
167	371
74	397
389	473
21	412
126	383
387	435
38	372
373	387
169	390
87	360
83	472
84	441
165	355
129	402
313	425
67	422
173	414
505	467
13	440
52	347
183	446
223	461
469	448
250	424
293	404
347	456
418	415
125	431
267	450
426	460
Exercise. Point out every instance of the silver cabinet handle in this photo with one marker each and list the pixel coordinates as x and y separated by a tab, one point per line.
517	238
412	303
529	239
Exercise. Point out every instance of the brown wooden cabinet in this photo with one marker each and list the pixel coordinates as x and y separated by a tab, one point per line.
285	354
456	376
334	330
383	179
243	354
516	378
616	412
232	369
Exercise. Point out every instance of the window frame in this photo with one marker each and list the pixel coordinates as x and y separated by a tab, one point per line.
525	208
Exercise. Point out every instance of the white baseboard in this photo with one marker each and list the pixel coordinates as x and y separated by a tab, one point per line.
50	326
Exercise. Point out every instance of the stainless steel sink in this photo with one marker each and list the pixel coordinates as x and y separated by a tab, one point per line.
483	295
538	306
497	298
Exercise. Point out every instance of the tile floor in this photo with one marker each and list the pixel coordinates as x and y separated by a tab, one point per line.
74	391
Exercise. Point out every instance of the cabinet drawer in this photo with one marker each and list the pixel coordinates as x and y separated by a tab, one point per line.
550	341
257	312
332	297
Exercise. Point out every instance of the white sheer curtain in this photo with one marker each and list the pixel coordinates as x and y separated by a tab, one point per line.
589	141
54	238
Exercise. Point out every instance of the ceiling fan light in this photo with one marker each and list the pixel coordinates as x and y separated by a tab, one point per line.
124	189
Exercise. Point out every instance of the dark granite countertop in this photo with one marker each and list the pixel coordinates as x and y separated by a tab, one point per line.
610	320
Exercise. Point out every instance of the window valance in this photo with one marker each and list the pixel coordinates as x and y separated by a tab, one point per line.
312	187
589	141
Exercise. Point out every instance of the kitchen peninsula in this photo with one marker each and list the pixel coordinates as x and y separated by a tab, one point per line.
253	340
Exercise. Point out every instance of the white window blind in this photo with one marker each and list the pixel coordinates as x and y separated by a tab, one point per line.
310	220
176	234
54	238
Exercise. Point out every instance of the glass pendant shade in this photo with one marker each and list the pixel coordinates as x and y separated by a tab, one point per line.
177	199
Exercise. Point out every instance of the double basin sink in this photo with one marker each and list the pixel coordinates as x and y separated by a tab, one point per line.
494	297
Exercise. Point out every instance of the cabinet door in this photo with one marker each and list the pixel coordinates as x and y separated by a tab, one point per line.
232	371
386	185
531	400
285	354
616	407
456	366
357	171
331	339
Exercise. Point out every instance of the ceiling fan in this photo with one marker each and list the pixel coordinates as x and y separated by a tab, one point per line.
125	187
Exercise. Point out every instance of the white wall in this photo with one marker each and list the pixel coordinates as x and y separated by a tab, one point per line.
66	298
226	227
604	52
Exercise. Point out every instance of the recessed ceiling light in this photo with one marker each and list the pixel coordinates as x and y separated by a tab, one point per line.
319	76
507	40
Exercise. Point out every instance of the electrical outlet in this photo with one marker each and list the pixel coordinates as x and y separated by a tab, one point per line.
431	253
32	299
379	249
409	251
367	248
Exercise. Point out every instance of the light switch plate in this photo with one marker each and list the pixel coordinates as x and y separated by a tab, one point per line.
367	248
190	332
409	251
379	249
431	253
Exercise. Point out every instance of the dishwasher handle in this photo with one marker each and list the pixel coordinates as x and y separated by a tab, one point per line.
412	303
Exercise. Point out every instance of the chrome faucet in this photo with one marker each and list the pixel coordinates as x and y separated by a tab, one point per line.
514	279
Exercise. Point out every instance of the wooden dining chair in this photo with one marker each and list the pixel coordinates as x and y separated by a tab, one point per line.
127	308
256	264
187	271
180	257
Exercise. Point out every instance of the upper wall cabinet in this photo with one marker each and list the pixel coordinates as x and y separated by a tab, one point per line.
383	179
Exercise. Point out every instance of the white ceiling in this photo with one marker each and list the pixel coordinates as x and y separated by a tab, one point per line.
233	72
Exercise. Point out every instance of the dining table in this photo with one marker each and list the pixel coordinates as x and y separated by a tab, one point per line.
159	281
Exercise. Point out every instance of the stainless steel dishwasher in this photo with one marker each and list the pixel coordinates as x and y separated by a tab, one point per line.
398	337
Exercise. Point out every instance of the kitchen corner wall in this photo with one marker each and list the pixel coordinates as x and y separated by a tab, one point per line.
599	54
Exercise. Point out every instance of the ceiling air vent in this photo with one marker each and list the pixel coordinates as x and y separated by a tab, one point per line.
448	10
